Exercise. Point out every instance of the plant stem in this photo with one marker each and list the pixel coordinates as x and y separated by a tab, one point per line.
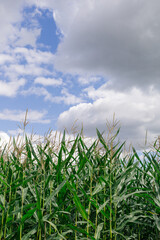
110	188
89	207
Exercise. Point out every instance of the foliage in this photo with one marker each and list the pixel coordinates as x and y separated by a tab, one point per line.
80	192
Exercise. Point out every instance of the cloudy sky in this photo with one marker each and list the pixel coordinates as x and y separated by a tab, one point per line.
83	61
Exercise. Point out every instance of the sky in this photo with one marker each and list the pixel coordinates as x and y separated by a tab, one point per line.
80	62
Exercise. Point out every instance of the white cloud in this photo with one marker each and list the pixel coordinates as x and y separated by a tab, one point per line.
23	70
48	81
35	63
27	37
19	137
16	60
136	111
33	56
69	98
10	89
10	14
65	96
38	91
4	138
54	138
5	58
11	17
33	116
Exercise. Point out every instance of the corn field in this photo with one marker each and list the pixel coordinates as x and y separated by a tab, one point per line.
80	192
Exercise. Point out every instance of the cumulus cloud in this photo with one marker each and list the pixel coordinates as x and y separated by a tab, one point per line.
136	111
10	89
35	63
17	70
33	116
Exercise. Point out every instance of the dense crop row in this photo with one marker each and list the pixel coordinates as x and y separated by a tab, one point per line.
81	192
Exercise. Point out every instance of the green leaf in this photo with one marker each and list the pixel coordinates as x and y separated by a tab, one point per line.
2	199
98	231
29	234
101	139
54	226
118	150
78	204
55	192
4	182
28	214
80	230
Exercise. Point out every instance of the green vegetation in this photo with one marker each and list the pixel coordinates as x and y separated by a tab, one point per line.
80	191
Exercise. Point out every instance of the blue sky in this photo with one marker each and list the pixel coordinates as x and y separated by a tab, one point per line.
83	61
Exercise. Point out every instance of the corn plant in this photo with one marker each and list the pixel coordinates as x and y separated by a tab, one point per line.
79	192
